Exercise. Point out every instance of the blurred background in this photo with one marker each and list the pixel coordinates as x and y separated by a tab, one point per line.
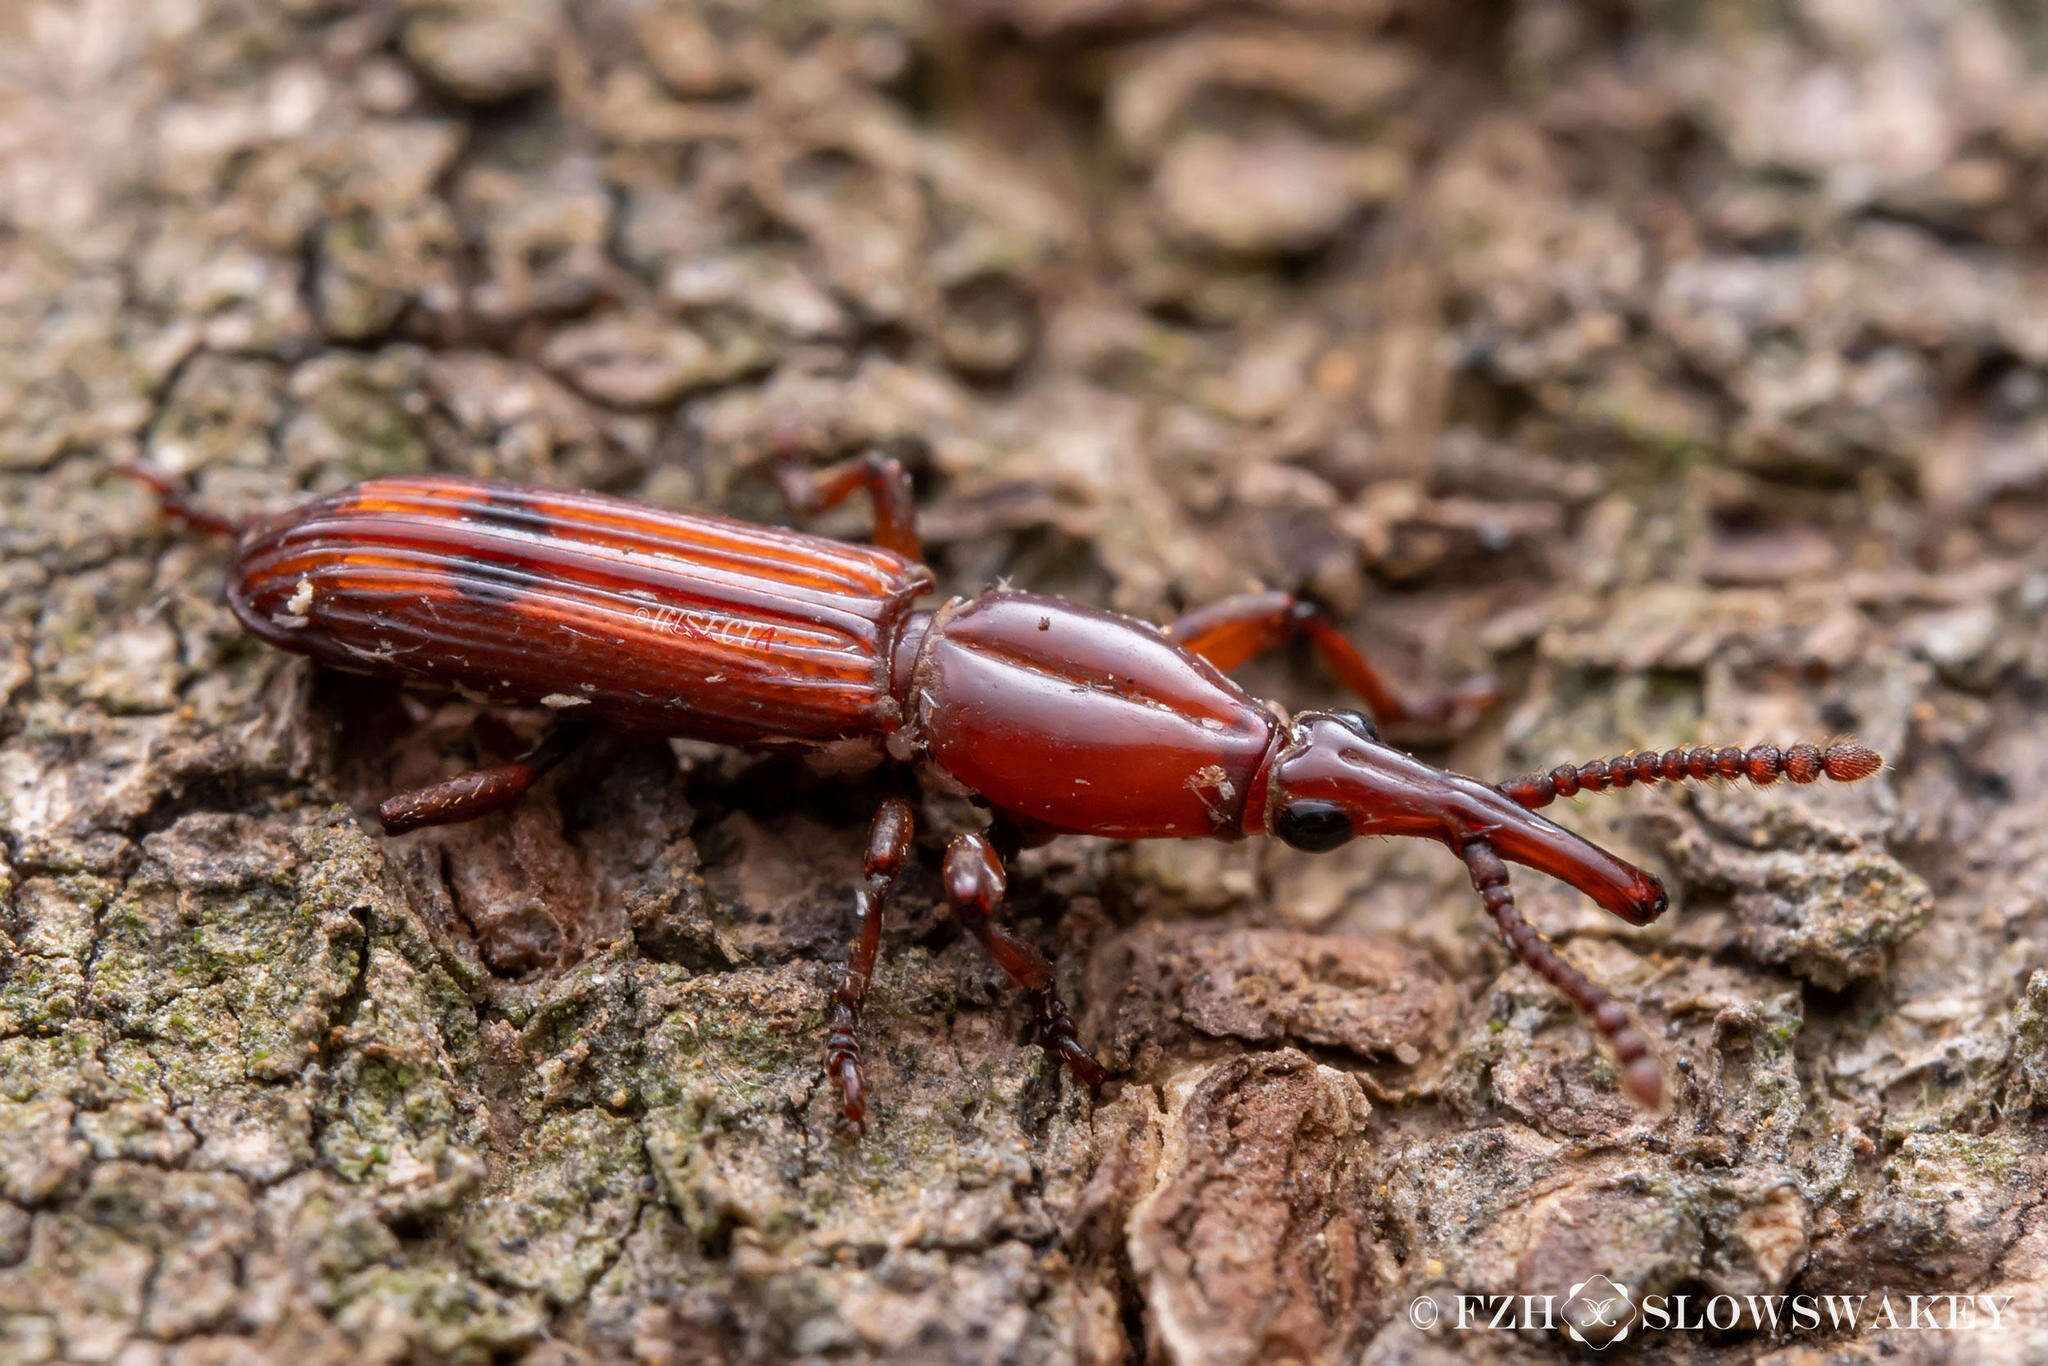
1685	365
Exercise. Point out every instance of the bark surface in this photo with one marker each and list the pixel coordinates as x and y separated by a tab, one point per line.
1684	365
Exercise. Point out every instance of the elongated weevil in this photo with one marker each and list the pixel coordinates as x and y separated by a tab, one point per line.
1060	719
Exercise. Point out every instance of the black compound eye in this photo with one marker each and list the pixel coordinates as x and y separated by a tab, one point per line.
1312	825
1354	720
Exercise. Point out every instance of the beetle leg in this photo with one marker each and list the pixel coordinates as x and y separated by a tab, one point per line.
177	503
888	844
482	790
974	882
1640	1075
1235	629
812	491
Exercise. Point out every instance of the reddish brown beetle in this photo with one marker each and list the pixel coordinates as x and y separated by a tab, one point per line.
1060	719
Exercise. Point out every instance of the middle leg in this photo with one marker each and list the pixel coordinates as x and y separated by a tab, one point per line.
888	846
1232	630
974	883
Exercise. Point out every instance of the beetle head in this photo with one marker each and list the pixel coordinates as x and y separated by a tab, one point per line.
1336	779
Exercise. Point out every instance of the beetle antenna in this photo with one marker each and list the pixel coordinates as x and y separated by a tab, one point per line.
1640	1075
1761	764
177	503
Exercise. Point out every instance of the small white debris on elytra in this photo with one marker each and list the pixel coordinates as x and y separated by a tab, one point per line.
559	700
294	614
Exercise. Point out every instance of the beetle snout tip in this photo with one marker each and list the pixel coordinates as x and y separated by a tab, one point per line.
1646	901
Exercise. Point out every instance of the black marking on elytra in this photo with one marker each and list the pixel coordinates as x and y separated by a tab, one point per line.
493	580
489	582
504	511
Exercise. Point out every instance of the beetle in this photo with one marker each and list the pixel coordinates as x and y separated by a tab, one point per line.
1057	718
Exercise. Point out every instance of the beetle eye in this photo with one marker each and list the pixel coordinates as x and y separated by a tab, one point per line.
1312	825
1353	719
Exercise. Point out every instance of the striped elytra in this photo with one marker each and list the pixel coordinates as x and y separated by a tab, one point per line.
673	622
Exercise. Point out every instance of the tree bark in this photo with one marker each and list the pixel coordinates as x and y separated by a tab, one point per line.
1684	369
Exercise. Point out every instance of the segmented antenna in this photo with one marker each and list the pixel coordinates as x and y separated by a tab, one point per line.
1640	1075
1761	764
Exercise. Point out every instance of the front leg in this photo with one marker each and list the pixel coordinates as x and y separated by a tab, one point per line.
1233	630
1641	1077
888	844
974	883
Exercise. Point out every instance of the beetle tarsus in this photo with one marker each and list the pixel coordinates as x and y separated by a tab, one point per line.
853	1097
1057	1035
1640	1075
